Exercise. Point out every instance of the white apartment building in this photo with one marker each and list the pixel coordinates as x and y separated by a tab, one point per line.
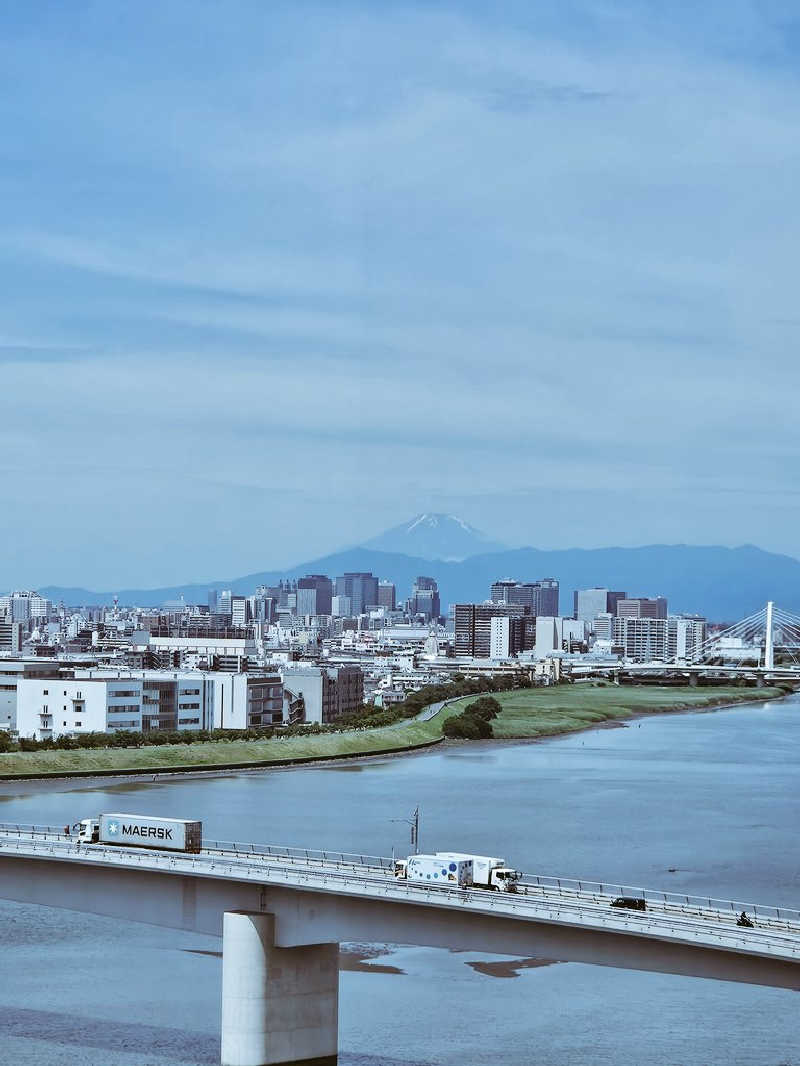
659	639
500	637
145	700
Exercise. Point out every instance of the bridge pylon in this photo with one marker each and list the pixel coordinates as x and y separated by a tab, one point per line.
769	646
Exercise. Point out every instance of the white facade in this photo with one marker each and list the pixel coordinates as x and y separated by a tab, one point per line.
198	652
141	701
341	607
548	636
500	638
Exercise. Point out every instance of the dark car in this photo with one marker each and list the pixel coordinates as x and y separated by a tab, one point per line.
633	903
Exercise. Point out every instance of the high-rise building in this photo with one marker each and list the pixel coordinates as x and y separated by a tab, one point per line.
508	591
387	595
589	603
546	597
540	597
239	612
473	625
424	599
24	606
642	607
314	594
508	636
10	636
602	625
646	639
341	607
361	588
224	602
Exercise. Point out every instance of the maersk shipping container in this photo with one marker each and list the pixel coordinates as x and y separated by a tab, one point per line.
144	831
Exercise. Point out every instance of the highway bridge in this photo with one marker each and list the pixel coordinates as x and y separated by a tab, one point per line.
282	913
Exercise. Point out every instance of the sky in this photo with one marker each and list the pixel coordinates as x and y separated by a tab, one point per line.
277	277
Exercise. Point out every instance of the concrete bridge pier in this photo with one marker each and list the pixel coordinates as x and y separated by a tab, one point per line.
279	1005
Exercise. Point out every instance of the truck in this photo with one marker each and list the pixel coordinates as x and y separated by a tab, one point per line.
142	831
436	870
487	872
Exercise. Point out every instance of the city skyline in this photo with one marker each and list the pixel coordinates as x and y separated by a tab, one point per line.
253	264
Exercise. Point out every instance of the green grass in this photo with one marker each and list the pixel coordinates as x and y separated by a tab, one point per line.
526	713
211	753
546	712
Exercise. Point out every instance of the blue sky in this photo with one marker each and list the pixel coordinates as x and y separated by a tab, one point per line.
277	277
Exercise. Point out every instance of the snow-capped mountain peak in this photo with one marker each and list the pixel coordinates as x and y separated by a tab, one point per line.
434	535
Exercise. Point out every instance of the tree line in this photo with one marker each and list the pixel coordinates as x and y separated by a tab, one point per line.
367	717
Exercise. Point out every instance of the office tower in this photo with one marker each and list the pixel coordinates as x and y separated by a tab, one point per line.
239	613
341	607
642	607
540	597
224	602
314	593
473	625
424	599
589	603
508	591
602	625
360	588
387	595
546	597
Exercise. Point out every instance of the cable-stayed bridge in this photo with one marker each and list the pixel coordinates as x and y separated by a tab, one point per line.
755	640
763	646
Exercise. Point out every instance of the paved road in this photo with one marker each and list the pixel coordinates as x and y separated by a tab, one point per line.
669	916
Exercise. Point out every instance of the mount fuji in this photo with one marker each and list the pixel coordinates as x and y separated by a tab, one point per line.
435	536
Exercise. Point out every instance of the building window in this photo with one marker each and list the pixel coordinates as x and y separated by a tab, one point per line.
45	691
78	723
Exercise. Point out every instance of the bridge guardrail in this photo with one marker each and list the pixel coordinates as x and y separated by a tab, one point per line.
565	887
581	887
294	854
759	942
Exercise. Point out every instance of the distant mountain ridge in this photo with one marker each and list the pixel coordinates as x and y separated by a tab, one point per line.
434	535
725	584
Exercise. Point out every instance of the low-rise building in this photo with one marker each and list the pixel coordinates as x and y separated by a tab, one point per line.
144	701
327	691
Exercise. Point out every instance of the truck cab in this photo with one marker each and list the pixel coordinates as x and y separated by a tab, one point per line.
504	879
488	873
89	831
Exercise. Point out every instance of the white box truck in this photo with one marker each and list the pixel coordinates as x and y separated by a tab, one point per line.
487	872
142	831
436	870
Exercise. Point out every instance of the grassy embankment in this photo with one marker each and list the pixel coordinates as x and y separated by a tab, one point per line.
526	713
545	712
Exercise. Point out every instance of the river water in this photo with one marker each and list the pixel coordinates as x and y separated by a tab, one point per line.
712	796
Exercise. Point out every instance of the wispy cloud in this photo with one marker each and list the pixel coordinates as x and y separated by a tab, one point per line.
391	253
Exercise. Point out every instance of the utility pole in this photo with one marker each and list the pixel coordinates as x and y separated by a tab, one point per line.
413	821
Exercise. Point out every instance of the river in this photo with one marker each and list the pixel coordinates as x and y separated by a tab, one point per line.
713	797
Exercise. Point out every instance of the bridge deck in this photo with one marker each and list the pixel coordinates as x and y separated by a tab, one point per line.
669	917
